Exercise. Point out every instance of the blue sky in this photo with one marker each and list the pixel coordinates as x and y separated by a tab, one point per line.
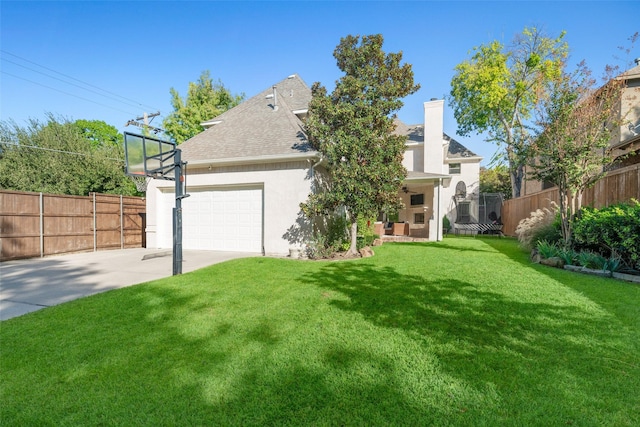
132	53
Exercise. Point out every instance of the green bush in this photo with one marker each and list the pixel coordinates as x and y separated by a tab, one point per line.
446	224
366	234
569	256
543	224
547	249
614	230
550	233
592	260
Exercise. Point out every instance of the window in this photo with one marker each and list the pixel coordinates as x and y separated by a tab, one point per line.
464	212
547	184
418	218
454	168
417	199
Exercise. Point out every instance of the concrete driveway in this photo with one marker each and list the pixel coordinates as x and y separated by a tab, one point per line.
31	284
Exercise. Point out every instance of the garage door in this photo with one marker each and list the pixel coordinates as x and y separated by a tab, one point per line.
223	220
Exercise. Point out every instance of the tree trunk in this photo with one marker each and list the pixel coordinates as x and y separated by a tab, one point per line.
353	249
516	175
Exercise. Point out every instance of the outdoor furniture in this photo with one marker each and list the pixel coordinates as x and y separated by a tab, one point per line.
475	228
400	229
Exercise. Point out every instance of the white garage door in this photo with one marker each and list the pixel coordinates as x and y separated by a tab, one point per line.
223	220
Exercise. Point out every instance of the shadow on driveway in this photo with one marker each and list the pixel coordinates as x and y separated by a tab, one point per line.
31	284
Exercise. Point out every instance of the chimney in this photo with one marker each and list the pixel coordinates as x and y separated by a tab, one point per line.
275	99
433	131
273	96
637	61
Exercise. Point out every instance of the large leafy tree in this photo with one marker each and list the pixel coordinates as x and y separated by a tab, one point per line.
496	180
496	91
60	157
204	101
100	133
353	130
575	125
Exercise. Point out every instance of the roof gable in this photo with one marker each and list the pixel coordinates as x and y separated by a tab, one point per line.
415	134
264	125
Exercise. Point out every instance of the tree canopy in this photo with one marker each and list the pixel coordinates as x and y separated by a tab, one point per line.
497	90
353	130
204	101
63	157
574	127
495	180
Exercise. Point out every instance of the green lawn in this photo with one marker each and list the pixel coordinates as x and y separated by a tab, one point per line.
461	332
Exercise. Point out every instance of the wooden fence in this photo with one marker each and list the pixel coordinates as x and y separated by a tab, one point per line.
617	186
37	224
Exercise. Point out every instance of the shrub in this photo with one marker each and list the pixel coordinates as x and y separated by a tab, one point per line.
615	230
366	234
540	225
569	256
613	264
547	249
592	260
446	224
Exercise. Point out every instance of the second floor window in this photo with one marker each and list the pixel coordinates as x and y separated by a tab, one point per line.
454	168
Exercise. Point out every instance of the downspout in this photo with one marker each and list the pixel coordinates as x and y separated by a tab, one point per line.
438	222
313	166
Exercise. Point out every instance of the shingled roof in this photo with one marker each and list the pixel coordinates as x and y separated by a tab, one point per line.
258	128
415	133
262	126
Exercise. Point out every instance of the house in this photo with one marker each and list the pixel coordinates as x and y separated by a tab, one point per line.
625	142
252	166
443	176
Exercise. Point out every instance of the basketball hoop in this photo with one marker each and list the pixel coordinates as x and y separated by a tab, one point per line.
141	182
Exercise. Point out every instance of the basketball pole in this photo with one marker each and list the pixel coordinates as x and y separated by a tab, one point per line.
177	215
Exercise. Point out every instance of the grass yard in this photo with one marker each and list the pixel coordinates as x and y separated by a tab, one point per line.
461	332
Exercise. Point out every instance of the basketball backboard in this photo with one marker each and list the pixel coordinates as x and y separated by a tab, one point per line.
149	156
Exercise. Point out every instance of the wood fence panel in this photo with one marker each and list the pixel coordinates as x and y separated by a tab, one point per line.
108	221
617	186
134	222
68	223
20	224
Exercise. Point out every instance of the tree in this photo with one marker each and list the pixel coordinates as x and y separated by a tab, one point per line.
204	101
496	180
58	157
571	149
99	133
353	128
497	89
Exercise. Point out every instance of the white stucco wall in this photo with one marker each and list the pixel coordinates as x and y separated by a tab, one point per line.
470	174
285	186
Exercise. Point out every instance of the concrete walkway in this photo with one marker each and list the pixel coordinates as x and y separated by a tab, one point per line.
31	284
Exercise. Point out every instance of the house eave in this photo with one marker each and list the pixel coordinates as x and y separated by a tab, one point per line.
425	178
275	158
463	159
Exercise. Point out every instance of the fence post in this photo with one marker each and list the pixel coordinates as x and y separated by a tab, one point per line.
121	224
41	225
95	224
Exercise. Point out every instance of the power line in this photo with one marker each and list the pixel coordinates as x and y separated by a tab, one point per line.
57	151
67	93
72	84
138	104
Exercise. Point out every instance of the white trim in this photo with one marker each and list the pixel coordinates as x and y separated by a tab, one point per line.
274	158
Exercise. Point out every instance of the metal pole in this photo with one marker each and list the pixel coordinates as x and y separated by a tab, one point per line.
177	216
438	220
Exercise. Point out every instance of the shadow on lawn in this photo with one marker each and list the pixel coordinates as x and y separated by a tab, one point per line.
480	336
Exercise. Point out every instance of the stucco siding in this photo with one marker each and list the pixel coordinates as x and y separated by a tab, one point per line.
285	186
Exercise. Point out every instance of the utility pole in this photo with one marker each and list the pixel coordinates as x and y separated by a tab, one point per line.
145	124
